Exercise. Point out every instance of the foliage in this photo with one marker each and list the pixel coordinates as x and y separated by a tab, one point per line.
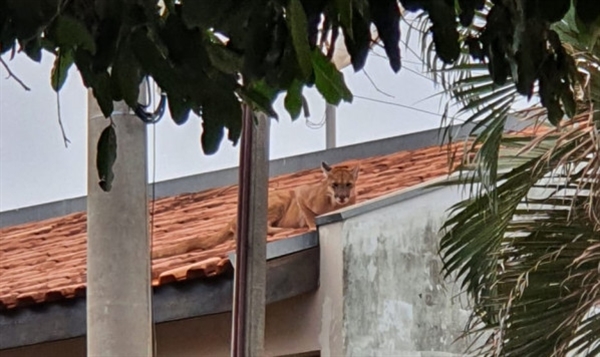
487	92
531	265
525	242
208	56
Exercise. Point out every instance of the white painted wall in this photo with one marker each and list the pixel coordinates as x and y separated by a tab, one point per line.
395	301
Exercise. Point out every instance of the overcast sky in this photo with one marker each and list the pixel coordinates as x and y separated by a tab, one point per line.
35	166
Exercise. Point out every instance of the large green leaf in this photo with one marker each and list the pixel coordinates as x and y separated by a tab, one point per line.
179	108
260	96
293	100
297	23
33	49
329	81
386	17
212	129
344	8
127	75
62	63
102	92
70	32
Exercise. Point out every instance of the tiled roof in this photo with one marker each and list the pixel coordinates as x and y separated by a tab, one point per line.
46	260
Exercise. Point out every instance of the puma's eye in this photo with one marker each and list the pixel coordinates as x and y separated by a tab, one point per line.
335	185
348	185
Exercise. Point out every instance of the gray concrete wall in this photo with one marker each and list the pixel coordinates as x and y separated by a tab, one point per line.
395	301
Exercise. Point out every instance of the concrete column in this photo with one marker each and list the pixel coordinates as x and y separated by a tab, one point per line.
250	265
330	125
119	319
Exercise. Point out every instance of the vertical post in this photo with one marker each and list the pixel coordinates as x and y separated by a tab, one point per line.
248	325
330	125
119	320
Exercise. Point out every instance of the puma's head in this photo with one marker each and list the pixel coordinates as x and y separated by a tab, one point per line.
340	182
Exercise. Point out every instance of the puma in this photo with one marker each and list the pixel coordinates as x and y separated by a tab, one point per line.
296	208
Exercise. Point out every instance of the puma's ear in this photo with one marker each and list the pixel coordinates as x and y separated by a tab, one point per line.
326	168
355	171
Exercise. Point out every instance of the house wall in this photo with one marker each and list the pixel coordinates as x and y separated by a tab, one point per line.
381	294
395	301
290	329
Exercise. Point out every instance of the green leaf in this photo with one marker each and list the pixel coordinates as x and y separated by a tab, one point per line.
212	131
102	93
266	90
106	157
297	24
329	81
151	55
359	44
179	109
33	49
223	110
293	99
257	100
62	63
385	14
223	58
344	8
70	32
260	96
127	75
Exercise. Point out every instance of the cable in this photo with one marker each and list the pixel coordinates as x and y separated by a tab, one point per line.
407	107
317	125
151	100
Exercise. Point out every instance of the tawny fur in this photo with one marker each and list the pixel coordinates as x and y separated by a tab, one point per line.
295	208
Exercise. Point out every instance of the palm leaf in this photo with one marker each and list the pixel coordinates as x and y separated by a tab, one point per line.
528	263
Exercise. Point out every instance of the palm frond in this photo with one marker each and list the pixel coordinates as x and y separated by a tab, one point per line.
530	263
489	104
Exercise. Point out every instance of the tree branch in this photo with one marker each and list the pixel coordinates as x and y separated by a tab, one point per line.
11	74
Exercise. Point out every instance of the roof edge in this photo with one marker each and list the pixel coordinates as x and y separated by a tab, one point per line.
392	198
292	270
229	176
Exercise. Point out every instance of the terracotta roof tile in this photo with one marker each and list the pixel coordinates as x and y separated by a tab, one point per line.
46	260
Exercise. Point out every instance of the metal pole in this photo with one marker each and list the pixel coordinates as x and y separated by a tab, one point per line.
250	264
119	319
330	125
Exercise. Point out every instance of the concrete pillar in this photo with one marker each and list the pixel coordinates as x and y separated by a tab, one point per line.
119	319
248	327
330	125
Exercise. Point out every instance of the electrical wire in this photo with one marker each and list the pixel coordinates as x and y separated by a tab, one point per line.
151	100
407	107
315	125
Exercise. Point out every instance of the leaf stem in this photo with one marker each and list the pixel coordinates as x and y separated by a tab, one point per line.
60	123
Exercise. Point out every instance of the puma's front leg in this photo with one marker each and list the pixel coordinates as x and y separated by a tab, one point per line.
309	215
